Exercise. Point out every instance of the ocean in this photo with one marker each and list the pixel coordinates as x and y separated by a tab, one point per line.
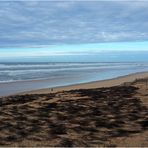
74	72
53	74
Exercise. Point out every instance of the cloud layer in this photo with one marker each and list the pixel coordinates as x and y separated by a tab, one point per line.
35	23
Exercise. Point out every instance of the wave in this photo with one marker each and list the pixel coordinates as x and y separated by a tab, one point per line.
14	72
66	66
20	71
57	65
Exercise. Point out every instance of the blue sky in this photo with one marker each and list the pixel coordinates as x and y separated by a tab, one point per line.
48	27
74	49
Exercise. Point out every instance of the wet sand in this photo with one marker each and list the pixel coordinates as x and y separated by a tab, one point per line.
44	86
90	117
95	84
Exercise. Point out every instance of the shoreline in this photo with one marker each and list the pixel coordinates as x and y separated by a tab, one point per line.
41	86
88	85
110	116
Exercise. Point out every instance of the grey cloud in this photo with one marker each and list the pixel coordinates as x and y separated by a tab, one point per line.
38	23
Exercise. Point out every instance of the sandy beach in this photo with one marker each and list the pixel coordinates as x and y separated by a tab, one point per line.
95	84
107	113
73	73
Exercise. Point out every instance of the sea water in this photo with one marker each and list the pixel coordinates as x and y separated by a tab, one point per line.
52	74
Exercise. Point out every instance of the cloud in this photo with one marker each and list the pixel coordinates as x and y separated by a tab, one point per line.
35	23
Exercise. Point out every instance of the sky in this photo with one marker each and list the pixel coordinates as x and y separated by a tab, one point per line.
33	28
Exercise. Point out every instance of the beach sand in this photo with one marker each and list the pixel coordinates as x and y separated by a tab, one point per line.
105	113
95	84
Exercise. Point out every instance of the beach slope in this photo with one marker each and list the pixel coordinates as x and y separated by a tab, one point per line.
107	116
